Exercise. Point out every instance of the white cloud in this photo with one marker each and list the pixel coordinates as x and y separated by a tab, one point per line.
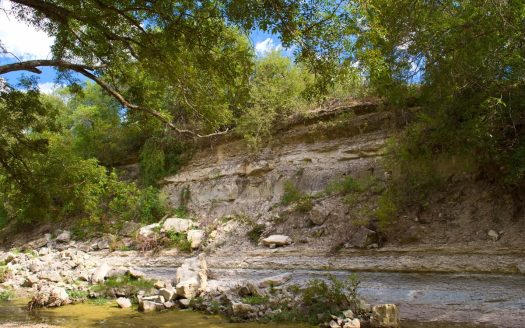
21	39
48	87
266	46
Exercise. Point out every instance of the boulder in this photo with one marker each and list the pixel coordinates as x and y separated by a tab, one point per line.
242	310
136	274
167	293
362	238
35	244
493	234
177	225
149	230
277	240
249	289
319	214
159	284
63	237
352	323
184	303
275	280
100	273
129	228
195	237
123	302
192	277
103	243
385	316
50	297
149	306
52	276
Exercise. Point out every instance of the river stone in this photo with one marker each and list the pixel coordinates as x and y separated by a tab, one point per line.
167	293
385	316
242	310
149	230
493	234
184	303
275	280
148	306
52	276
64	237
352	323
192	277
136	274
277	240
195	237
100	273
177	225
123	302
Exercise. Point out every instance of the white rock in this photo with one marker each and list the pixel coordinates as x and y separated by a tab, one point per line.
493	234
64	237
354	323
177	225
123	302
195	236
278	240
385	316
348	314
184	302
149	230
100	273
167	293
275	280
192	277
134	273
148	306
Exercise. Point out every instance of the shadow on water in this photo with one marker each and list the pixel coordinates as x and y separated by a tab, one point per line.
108	315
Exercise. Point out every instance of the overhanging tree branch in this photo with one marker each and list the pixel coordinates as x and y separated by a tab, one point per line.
85	70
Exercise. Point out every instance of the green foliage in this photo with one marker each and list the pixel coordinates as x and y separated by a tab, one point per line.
6	295
322	299
255	300
5	273
122	285
276	92
344	186
77	295
254	234
179	240
291	193
304	204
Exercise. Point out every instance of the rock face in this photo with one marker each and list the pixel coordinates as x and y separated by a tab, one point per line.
385	316
177	225
277	240
192	277
227	178
196	237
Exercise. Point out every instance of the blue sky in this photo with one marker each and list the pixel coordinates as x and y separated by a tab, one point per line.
25	42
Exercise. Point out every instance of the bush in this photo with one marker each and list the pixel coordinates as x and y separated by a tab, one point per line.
255	300
178	240
122	285
343	186
6	295
254	234
291	193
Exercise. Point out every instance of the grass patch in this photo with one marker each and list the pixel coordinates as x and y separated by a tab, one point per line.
122	285
78	295
5	273
344	186
6	295
291	193
178	240
255	300
254	234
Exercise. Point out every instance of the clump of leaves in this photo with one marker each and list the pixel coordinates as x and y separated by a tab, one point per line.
6	295
122	285
322	298
344	186
254	234
255	299
5	273
178	240
291	193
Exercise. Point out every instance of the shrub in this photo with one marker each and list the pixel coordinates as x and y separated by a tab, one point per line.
6	295
121	285
255	299
343	186
304	204
5	273
254	234
178	240
291	193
